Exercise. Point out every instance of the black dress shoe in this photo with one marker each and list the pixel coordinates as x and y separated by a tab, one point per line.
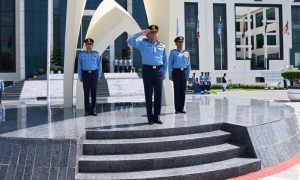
157	121
93	114
150	122
177	112
182	111
86	114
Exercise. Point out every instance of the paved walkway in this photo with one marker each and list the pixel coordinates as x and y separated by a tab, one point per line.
289	170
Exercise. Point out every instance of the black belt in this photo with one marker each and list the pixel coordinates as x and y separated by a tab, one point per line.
89	71
179	69
152	67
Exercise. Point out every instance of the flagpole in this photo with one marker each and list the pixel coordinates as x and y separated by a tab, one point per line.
244	61
49	49
221	47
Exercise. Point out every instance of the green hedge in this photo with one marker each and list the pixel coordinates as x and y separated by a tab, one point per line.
56	68
291	75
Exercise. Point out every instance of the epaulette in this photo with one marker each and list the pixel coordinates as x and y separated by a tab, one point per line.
160	42
95	52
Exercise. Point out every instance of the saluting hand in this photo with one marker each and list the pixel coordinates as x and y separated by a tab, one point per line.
145	32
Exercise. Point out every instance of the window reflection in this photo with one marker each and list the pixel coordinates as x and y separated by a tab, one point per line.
7	38
258	35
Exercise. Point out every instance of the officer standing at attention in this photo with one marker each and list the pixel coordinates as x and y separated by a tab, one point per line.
119	64
154	60
115	63
125	61
89	71
202	83
179	71
130	65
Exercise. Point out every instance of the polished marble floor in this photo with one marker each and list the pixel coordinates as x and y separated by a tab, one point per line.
29	120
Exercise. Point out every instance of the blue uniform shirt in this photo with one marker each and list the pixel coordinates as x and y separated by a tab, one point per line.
179	59
124	62
153	53
202	78
207	79
193	80
89	61
115	62
130	62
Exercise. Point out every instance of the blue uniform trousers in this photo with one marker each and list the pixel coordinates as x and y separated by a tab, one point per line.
153	81
90	81
179	81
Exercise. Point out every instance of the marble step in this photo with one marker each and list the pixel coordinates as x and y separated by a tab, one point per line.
213	171
158	160
100	134
154	144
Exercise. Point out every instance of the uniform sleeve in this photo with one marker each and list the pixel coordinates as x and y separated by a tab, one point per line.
132	41
165	62
79	67
171	61
100	66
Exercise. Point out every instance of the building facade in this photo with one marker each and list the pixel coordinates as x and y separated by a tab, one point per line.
251	40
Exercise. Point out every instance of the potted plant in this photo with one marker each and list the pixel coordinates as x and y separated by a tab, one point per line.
294	90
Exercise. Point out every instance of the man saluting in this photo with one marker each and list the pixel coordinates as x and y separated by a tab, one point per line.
154	60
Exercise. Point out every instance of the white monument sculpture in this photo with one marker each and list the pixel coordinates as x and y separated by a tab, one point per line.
109	21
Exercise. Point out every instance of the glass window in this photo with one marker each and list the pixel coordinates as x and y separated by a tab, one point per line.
259	41
272	40
220	45
295	58
191	40
259	19
252	22
258	63
258	36
7	36
238	42
237	26
271	14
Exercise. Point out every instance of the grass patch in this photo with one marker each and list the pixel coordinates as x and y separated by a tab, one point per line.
215	91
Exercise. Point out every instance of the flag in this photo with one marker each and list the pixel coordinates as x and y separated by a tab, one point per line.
177	28
245	29
220	27
286	28
198	29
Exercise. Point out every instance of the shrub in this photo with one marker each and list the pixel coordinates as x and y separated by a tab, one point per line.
40	71
56	68
291	75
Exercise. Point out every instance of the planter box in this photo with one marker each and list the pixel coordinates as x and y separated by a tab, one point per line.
294	93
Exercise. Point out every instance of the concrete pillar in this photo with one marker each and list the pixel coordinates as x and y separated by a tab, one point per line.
20	39
73	20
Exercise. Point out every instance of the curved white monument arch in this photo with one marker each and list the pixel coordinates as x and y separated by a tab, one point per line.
109	22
